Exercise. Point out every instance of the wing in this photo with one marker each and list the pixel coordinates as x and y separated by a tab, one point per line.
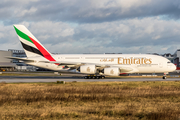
75	65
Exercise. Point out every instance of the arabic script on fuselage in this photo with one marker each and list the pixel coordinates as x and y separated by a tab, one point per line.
107	60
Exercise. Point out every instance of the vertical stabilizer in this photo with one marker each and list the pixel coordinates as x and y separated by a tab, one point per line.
31	45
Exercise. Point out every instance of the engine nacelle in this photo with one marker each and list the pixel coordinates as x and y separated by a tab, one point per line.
112	71
89	69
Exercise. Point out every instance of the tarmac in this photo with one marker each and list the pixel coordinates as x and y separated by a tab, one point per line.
37	79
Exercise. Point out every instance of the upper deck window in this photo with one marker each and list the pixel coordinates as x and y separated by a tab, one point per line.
169	62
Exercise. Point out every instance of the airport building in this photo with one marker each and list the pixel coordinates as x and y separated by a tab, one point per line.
21	66
176	57
169	56
18	53
5	63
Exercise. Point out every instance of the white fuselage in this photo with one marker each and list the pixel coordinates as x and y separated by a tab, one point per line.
138	63
107	64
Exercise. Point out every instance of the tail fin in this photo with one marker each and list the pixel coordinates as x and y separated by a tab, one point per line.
31	45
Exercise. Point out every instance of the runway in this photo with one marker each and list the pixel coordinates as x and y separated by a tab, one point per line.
36	79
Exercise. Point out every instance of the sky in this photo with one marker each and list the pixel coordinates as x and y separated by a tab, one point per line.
94	26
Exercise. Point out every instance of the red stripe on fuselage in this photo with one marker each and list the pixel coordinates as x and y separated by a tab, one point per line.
43	51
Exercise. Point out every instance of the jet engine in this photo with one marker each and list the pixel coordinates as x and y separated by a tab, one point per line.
112	71
89	69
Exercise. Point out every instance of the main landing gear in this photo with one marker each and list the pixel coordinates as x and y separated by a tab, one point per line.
94	77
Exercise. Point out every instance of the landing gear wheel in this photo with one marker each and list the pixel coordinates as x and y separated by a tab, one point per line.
102	77
94	77
164	77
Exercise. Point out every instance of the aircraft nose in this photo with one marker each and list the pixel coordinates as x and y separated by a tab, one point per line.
173	67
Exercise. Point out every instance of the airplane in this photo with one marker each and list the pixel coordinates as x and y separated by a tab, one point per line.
95	66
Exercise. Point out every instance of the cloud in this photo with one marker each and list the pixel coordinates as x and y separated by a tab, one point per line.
133	32
89	11
135	35
91	26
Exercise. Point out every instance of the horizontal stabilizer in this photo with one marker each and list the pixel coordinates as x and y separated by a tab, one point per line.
63	62
23	59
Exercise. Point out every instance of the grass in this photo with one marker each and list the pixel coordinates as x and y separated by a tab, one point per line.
27	74
91	100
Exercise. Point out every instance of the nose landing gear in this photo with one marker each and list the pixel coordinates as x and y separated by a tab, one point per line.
164	76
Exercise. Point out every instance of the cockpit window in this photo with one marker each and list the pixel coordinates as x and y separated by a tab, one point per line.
168	62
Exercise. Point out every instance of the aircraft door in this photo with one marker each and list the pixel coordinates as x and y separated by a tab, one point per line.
82	58
160	65
62	58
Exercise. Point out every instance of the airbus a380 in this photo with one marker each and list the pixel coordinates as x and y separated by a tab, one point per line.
93	65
